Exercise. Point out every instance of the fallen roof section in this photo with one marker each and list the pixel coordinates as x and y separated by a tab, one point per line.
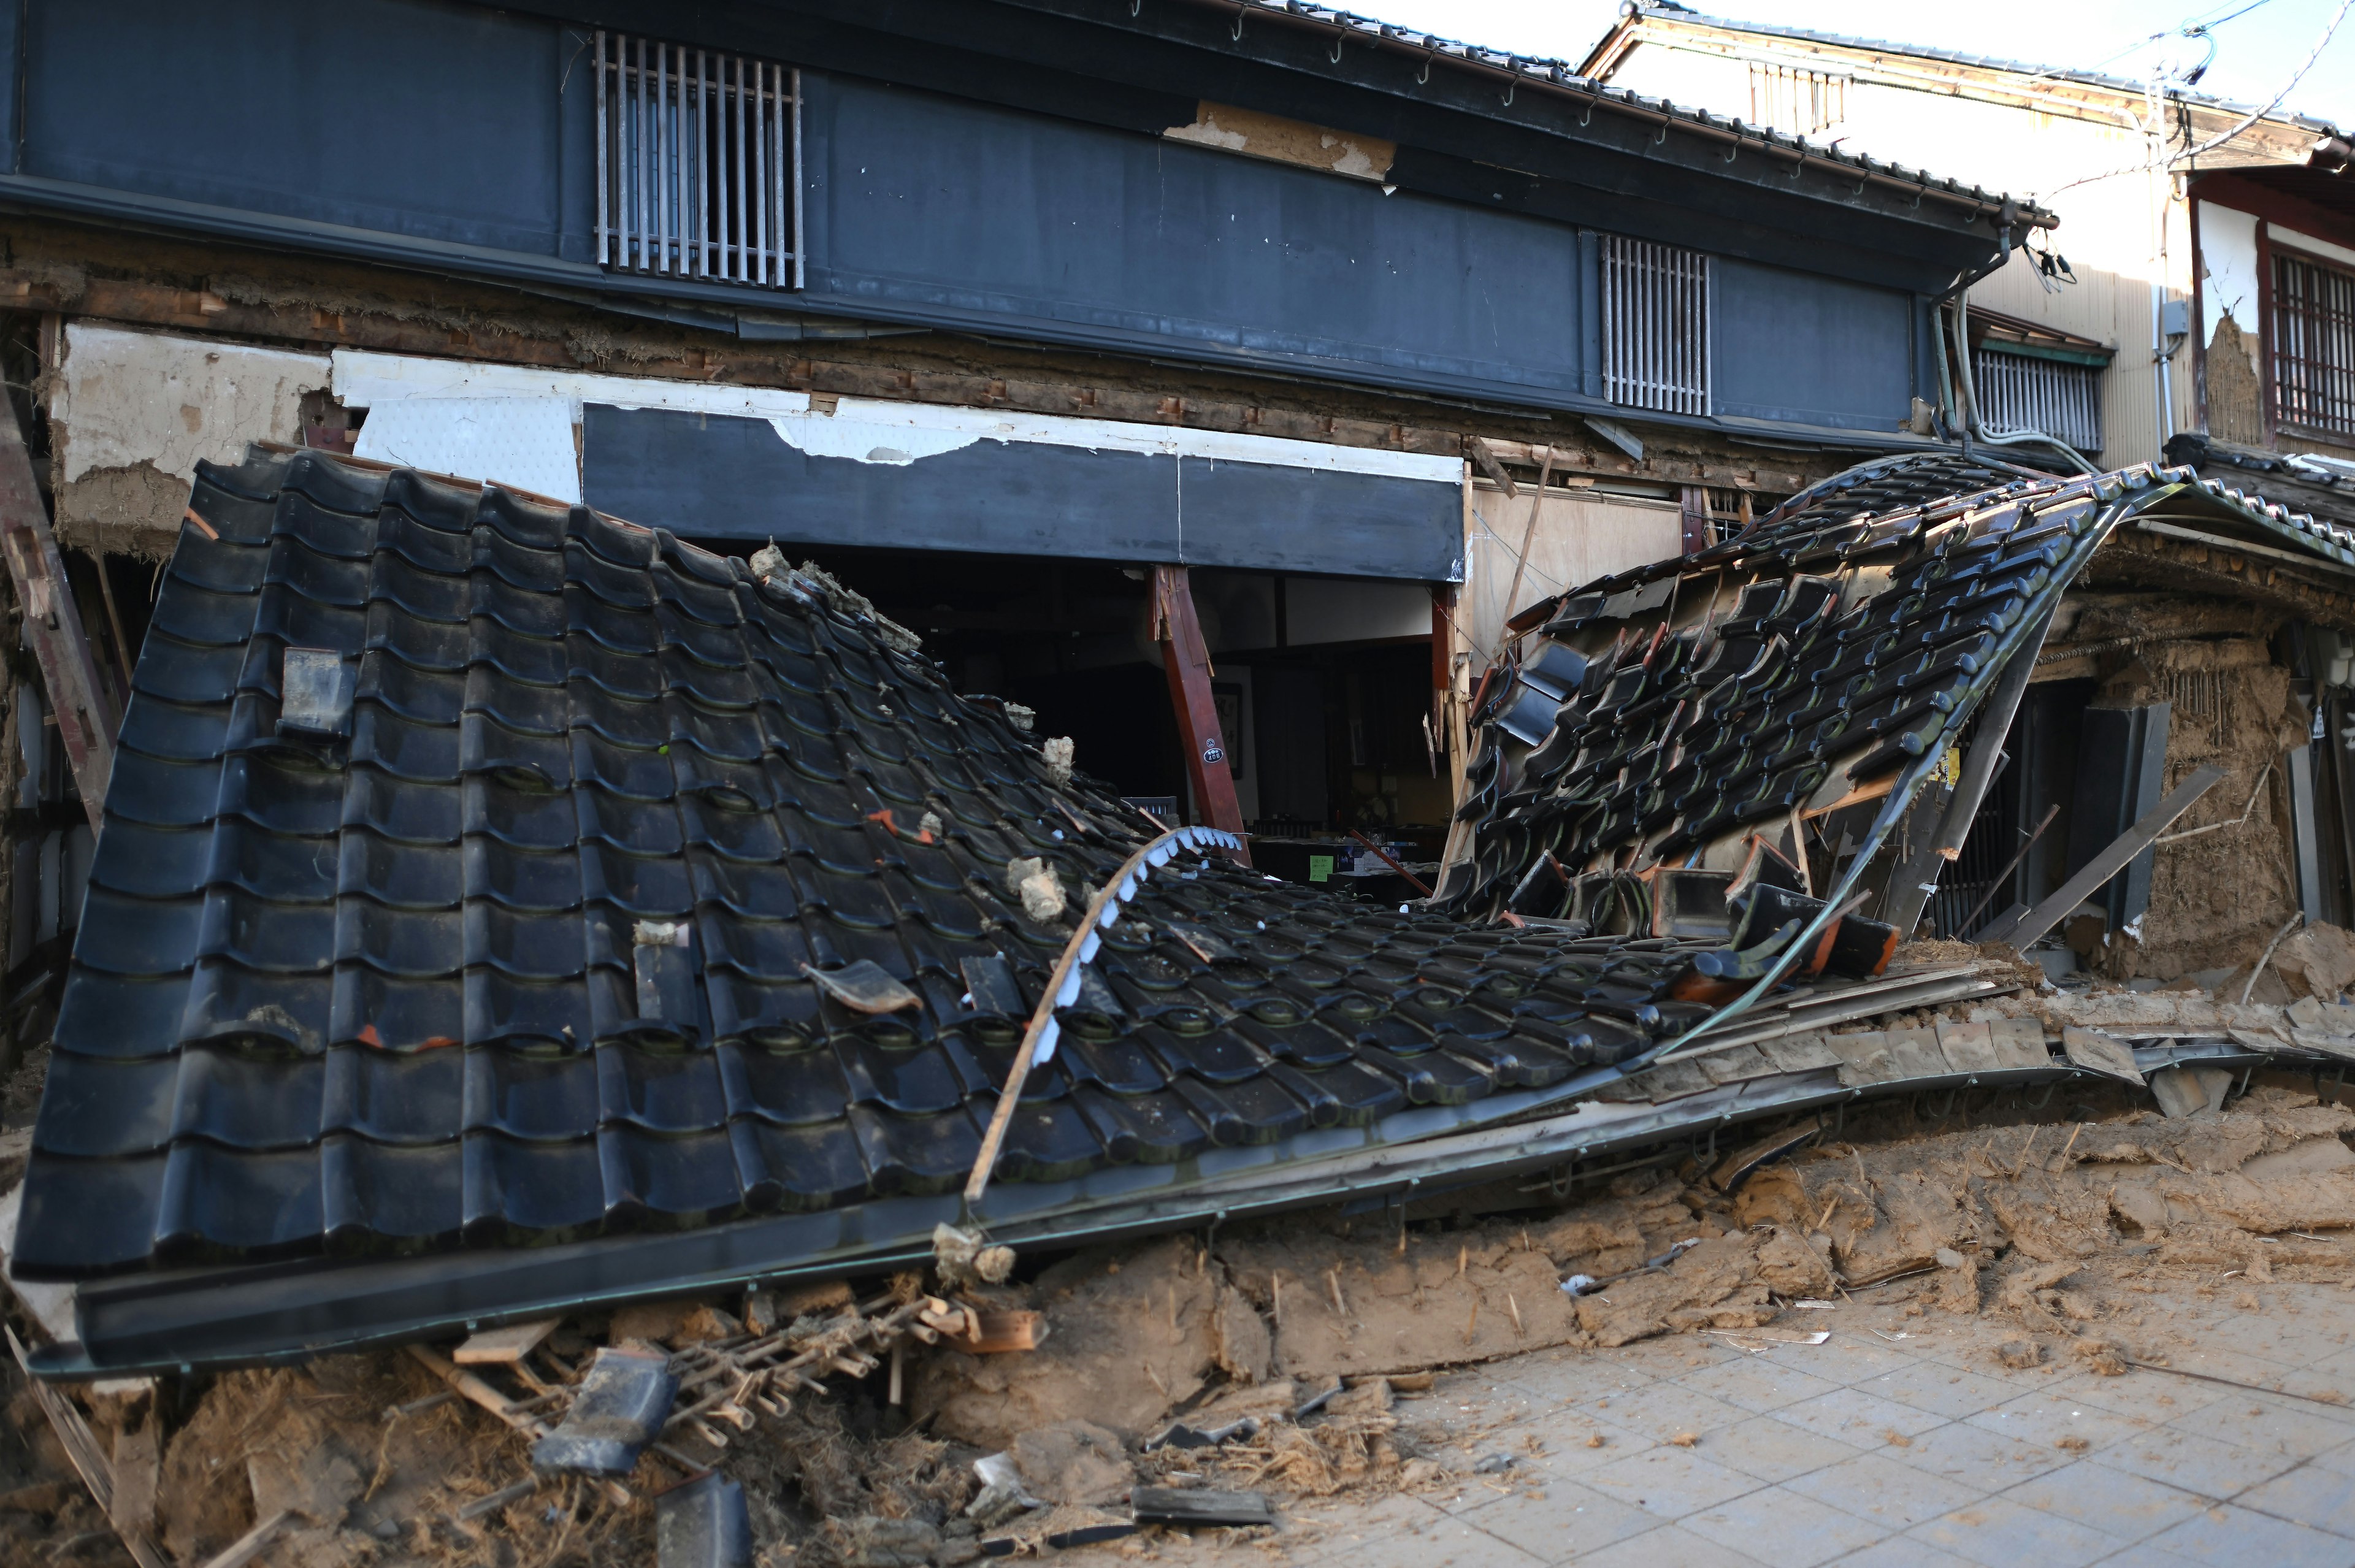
502	908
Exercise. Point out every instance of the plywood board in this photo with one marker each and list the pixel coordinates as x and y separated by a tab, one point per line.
1580	536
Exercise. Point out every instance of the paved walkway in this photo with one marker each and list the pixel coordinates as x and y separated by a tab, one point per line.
1869	1450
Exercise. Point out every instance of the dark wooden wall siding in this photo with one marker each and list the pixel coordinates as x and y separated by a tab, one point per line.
736	478
428	120
1812	350
464	136
929	201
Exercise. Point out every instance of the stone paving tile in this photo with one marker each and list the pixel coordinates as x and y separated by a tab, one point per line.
2331	1377
2272	1425
1345	1529
1565	1452
1796	1531
1773	1450
2207	1465
2120	1505
1756	1383
1569	1519
2308	1495
2148	1395
1902	1551
2339	1460
1671	1546
1580	1379
1671	1482
1878	1488
2004	1534
1851	1415
2041	1418
1417	1537
1666	1410
2230	1534
1941	1390
1991	1461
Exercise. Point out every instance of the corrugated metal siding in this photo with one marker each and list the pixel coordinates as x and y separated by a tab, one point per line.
699	163
2020	393
1655	326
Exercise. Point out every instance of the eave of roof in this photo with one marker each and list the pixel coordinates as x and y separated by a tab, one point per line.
2322	136
1558	77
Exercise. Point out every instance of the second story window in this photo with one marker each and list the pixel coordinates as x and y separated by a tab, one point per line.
1797	102
2314	346
1655	326
2019	393
698	164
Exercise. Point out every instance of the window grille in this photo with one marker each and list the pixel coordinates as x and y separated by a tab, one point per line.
1655	326
2017	393
2313	345
698	164
1801	103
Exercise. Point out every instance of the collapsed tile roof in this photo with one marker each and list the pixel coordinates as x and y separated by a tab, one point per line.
500	906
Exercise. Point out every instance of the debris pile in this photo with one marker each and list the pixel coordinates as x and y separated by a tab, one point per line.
1185	1385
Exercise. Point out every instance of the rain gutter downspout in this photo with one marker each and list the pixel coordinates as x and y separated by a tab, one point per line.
1971	423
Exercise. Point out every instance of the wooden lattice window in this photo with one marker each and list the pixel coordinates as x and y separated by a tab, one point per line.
2313	345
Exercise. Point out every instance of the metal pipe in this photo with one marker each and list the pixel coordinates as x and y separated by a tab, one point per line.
702	163
604	215
801	244
740	258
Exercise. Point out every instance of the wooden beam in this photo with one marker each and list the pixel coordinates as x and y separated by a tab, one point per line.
1187	658
86	720
2113	859
501	1347
1694	512
88	1460
1917	877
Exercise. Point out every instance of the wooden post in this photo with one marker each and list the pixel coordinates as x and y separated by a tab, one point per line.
1187	659
52	623
1695	518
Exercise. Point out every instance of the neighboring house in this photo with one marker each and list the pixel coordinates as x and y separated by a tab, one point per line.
996	308
2209	278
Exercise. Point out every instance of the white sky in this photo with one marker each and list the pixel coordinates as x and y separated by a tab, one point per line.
2255	53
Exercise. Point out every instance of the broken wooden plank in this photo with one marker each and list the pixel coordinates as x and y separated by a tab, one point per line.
253	1542
504	1347
472	1388
90	1462
995	1333
2111	860
1912	882
1483	458
52	623
138	1474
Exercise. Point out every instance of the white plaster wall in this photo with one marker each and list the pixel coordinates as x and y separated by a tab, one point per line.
2109	230
125	398
2228	253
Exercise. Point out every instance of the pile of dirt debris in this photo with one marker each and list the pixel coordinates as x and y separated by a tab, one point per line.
1263	1362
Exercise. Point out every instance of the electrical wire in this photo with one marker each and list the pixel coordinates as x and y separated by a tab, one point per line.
2329	31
